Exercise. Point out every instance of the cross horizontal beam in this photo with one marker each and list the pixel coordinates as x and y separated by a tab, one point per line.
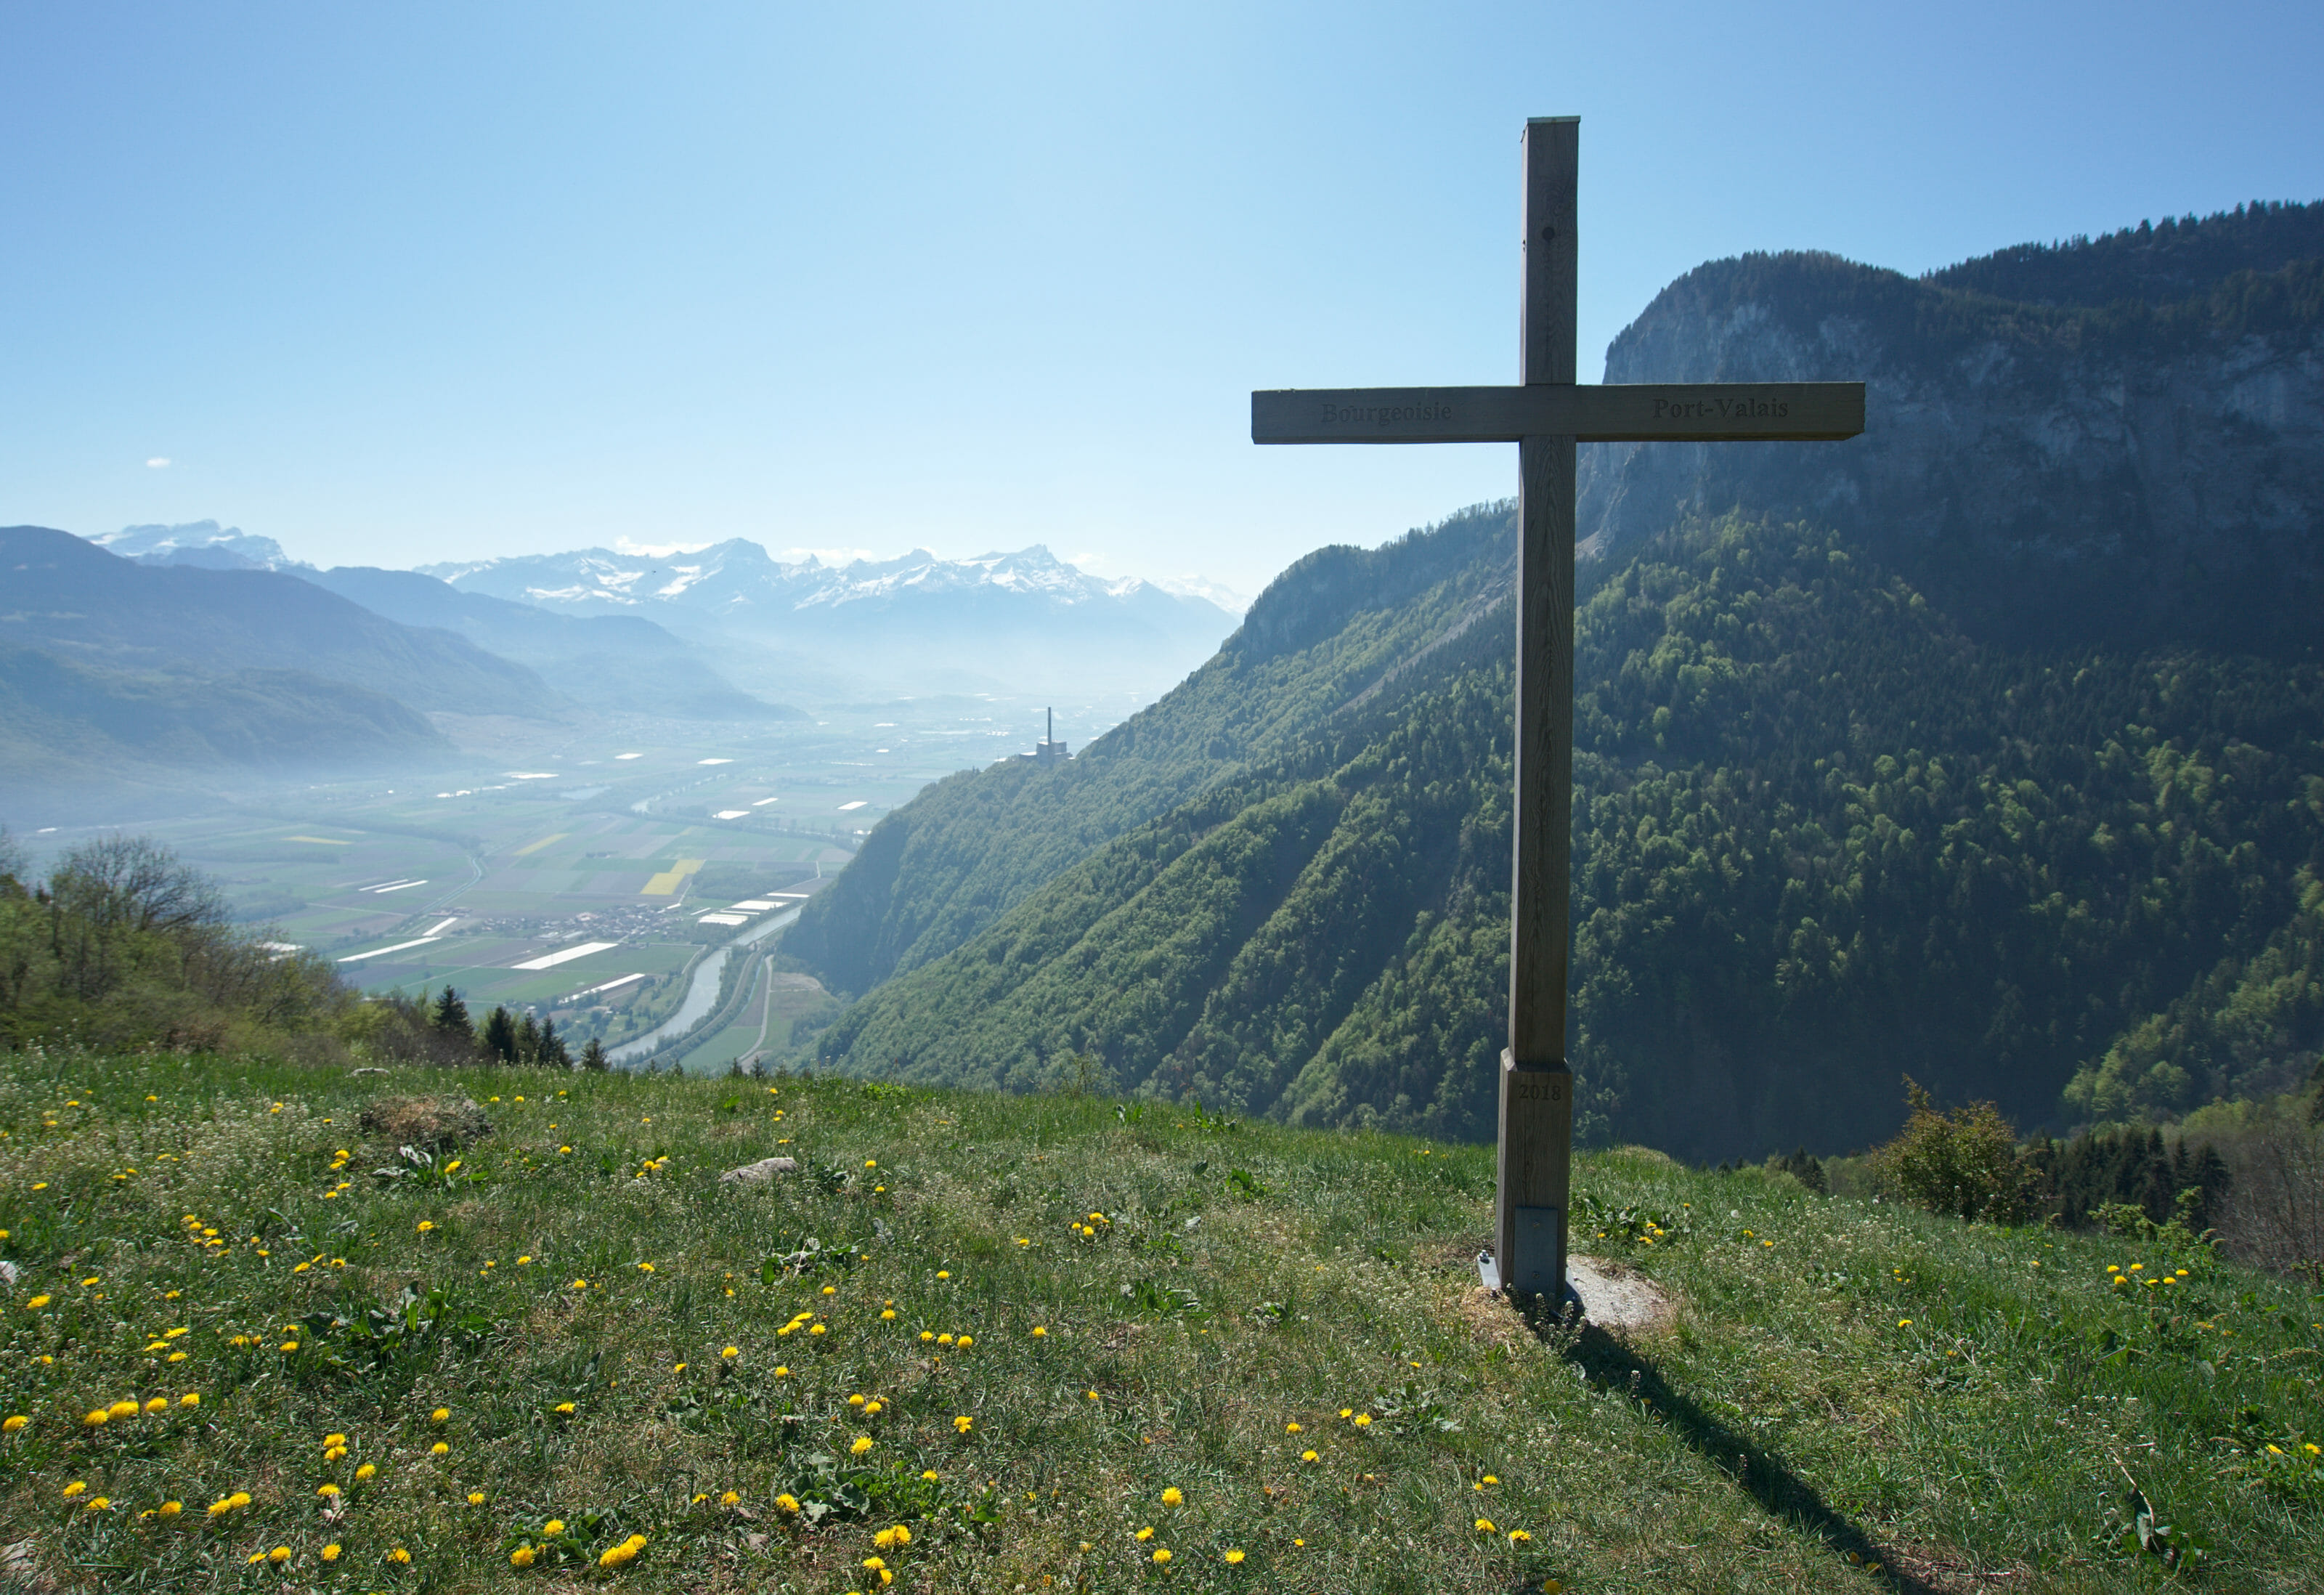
1626	412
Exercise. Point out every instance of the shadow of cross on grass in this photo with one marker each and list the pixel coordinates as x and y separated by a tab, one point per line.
1611	1365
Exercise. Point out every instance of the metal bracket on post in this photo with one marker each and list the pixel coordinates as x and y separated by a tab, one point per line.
1537	1140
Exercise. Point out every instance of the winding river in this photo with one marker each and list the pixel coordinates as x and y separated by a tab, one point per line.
701	993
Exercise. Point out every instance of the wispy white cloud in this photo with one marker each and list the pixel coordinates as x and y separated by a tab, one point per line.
158	462
623	544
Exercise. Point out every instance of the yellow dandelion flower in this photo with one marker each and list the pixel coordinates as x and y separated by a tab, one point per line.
124	1409
731	1499
426	1225
1234	1559
1485	1526
278	1555
168	1509
74	1489
400	1556
788	1503
440	1415
555	1526
330	1553
1518	1536
1307	1456
440	1450
1364	1420
1174	1497
14	1422
36	1303
730	1353
521	1557
961	1424
366	1471
863	1444
189	1399
1162	1554
1144	1535
326	1490
565	1409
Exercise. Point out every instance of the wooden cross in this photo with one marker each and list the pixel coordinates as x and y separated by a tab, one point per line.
1544	418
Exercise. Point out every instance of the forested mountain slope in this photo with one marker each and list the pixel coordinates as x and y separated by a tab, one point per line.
1823	837
1985	746
970	848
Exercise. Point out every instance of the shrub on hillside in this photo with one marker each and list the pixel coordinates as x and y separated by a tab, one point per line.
1964	1163
2274	1212
123	945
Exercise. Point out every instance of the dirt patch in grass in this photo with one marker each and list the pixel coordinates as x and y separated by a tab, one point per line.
1953	1572
432	1124
1492	1321
1618	1298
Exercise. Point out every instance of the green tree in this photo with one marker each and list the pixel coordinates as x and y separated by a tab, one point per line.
451	1015
1965	1164
500	1033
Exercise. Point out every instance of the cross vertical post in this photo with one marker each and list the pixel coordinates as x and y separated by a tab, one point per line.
1546	415
1536	1130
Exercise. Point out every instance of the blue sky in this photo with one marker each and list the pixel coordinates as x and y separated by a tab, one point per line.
401	284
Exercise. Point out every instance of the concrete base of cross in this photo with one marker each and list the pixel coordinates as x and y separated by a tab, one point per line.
1488	1273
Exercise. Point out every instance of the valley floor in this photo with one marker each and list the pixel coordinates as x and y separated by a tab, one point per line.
1062	1344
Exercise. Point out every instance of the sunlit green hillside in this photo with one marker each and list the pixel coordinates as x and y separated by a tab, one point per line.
321	1329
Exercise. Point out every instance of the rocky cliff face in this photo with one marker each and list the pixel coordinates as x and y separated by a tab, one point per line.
2117	473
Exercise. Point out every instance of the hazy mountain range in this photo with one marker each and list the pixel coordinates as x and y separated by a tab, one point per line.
1022	620
199	648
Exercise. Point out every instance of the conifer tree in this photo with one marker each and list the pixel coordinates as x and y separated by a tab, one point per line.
528	1039
553	1053
592	1055
500	1033
451	1015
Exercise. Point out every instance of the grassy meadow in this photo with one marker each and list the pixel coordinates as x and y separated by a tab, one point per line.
979	1342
